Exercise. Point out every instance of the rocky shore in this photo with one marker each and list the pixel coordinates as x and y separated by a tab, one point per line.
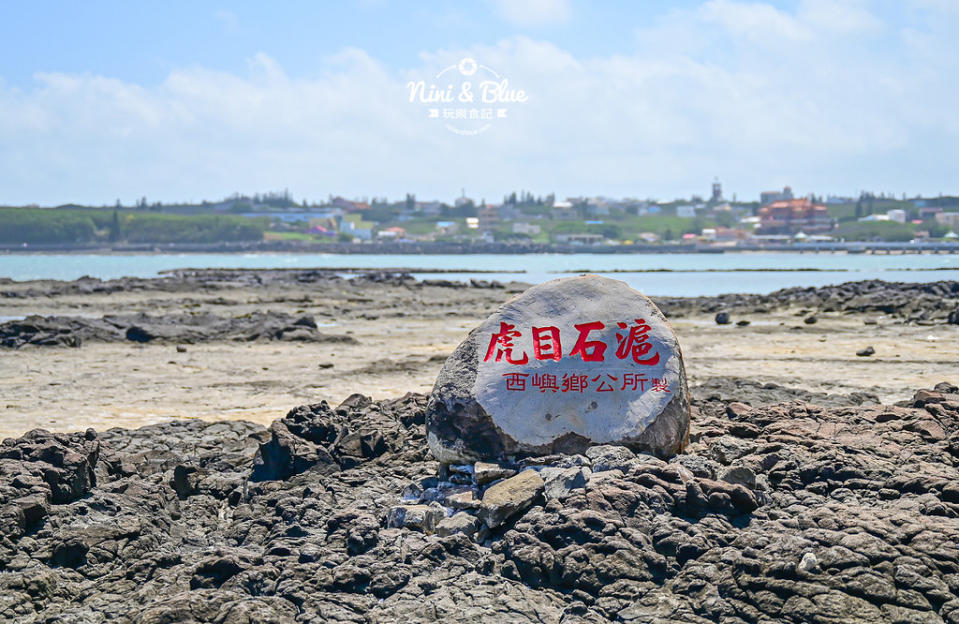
190	313
69	331
921	303
812	490
218	344
786	507
186	313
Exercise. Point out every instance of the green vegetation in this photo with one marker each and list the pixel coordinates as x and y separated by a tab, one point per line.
45	226
380	213
868	205
78	225
661	224
164	228
241	207
298	236
936	230
875	230
422	226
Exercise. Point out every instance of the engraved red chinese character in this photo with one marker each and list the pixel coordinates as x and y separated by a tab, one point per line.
589	350
604	386
632	381
502	344
516	382
544	381
636	343
660	385
552	349
575	383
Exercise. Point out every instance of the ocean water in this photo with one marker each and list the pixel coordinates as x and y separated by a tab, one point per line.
653	274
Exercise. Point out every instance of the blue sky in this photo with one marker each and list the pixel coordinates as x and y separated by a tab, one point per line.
143	42
181	101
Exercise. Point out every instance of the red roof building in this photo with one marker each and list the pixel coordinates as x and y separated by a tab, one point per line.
350	206
792	216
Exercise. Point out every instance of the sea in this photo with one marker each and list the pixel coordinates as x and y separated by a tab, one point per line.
682	275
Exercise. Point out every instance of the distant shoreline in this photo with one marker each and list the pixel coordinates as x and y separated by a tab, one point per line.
740	270
296	247
350	270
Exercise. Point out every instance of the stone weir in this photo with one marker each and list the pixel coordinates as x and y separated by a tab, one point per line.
566	365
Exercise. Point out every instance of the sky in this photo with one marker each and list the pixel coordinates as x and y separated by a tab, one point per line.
185	101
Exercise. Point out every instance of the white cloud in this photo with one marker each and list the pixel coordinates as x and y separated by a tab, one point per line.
754	21
525	13
936	6
752	94
842	17
228	20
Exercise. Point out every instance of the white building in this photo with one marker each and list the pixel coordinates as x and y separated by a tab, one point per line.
462	200
579	239
520	227
948	219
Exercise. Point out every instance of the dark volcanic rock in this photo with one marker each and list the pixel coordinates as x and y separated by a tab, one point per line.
783	512
41	469
316	437
173	328
749	392
931	301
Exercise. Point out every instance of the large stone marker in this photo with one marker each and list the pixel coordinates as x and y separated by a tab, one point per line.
565	365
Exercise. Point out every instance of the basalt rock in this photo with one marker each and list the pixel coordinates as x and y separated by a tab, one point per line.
839	513
317	437
911	302
171	328
43	469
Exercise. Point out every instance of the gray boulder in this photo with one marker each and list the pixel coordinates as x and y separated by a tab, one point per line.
485	472
422	517
459	523
561	482
566	365
509	497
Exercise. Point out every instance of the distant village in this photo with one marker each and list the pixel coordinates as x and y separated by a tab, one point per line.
774	217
